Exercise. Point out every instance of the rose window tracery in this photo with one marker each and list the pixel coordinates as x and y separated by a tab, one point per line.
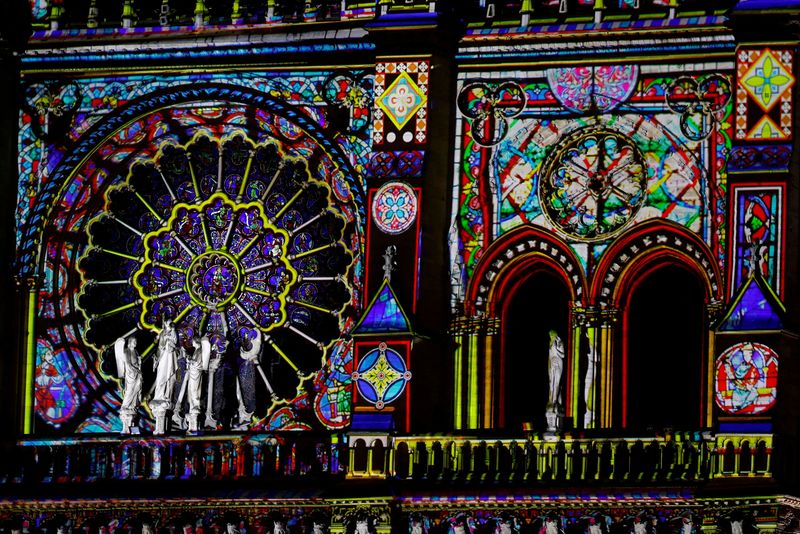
225	239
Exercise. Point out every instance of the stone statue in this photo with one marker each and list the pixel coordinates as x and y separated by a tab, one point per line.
250	352
279	527
588	384
129	369
556	367
196	365
214	371
166	365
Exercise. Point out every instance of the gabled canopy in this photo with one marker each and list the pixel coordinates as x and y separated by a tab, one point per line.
384	315
755	307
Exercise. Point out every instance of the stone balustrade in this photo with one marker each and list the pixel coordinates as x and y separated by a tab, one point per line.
678	457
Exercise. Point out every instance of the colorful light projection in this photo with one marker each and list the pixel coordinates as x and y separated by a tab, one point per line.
763	94
381	376
757	241
317	93
401	104
315	182
516	181
746	379
394	208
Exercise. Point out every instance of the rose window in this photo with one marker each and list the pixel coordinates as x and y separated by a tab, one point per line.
225	239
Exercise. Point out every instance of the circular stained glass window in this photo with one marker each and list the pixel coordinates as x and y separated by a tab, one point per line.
746	379
394	207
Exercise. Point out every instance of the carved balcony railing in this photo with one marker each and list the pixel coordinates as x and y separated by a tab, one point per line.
296	455
612	460
216	457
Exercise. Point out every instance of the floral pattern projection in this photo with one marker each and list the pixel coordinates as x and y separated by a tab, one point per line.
230	205
589	152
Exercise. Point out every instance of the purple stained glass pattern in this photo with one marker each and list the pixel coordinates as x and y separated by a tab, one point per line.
746	379
598	88
753	310
394	208
106	218
384	315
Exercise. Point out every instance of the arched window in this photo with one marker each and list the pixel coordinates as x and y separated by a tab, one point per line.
663	350
537	306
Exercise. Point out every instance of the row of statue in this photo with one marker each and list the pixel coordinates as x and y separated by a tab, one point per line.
180	378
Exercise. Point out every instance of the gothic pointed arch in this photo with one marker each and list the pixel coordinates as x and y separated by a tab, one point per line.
510	255
638	249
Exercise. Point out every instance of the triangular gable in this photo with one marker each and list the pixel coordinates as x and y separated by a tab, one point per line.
756	307
384	315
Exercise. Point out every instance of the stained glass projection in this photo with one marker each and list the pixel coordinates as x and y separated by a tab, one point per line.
758	234
225	238
594	184
381	376
394	208
746	379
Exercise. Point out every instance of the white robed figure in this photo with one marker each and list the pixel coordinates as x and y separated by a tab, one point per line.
165	363
556	367
129	370
196	365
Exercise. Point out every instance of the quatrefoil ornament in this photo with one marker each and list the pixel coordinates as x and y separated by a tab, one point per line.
489	108
698	103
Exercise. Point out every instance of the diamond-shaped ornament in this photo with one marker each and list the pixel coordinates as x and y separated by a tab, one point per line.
401	100
767	80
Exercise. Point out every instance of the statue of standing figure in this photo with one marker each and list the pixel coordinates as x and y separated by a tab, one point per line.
196	364
129	369
249	354
166	366
555	369
588	385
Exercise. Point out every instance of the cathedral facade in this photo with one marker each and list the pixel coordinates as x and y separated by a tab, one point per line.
407	266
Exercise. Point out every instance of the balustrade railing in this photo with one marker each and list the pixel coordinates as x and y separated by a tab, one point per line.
676	458
686	457
216	457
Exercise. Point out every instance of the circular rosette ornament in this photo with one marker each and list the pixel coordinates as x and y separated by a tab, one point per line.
226	239
594	184
489	108
394	208
381	376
